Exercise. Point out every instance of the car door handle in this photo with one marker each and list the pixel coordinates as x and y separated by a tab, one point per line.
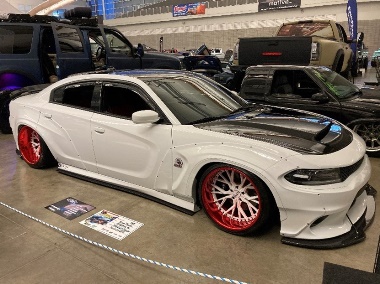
99	130
47	115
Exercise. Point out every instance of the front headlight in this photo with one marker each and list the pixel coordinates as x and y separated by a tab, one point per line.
314	177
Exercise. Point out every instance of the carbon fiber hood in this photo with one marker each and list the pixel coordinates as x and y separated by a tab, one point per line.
298	131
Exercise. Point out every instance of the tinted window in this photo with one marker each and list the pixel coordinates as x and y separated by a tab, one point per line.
293	84
69	40
117	42
340	87
74	95
256	84
121	100
307	29
15	39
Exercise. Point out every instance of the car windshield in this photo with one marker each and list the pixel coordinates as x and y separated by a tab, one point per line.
340	87
193	99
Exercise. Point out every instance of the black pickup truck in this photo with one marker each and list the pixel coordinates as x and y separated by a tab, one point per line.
317	89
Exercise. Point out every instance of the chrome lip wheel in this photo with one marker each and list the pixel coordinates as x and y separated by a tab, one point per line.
231	198
370	133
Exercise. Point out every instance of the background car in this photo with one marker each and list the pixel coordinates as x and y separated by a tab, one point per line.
320	90
375	58
181	139
225	78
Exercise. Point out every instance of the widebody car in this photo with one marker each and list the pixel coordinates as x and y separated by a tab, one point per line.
182	139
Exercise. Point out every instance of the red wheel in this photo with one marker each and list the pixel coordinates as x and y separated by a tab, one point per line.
235	200
33	148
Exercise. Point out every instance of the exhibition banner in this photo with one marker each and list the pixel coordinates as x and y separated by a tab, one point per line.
189	9
267	5
352	17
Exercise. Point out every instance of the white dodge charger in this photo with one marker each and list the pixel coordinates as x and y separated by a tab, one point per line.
183	140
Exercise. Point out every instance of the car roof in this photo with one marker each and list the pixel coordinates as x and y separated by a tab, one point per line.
140	72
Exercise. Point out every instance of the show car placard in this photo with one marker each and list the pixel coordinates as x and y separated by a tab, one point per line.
112	224
70	208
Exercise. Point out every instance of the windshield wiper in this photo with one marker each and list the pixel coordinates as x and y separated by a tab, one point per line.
249	107
208	119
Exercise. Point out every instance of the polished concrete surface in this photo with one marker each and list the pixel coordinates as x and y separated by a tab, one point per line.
31	252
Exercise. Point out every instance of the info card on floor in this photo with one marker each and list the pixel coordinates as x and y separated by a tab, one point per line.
112	224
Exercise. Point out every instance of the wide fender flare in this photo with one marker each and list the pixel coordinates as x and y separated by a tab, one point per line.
260	159
29	116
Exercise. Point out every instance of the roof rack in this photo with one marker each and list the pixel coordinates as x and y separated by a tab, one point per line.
26	18
80	16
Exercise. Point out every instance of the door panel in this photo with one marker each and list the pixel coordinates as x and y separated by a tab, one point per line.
65	123
125	150
119	51
130	152
72	54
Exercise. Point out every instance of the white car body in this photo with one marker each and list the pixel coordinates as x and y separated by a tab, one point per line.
163	161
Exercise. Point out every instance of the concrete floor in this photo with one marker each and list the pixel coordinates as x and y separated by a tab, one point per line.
31	252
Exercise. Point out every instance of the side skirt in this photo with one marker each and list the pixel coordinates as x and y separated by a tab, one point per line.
171	201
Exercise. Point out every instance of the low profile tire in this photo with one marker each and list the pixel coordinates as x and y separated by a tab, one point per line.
237	201
370	132
33	149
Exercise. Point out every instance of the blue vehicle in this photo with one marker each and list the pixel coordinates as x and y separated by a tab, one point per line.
34	48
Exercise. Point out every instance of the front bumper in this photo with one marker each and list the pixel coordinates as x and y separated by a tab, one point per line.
355	235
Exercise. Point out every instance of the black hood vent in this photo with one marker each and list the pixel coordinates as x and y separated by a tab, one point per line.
298	131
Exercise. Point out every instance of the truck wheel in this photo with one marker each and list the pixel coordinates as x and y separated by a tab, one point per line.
4	112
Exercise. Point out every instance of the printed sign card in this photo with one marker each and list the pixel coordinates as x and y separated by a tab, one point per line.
112	224
70	208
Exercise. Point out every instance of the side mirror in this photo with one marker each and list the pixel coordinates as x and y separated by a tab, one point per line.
320	97
145	116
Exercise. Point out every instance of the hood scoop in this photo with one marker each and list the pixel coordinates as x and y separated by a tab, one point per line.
302	133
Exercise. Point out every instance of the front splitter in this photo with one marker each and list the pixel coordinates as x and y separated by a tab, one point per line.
354	236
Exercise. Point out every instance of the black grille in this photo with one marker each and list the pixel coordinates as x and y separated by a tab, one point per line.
347	171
